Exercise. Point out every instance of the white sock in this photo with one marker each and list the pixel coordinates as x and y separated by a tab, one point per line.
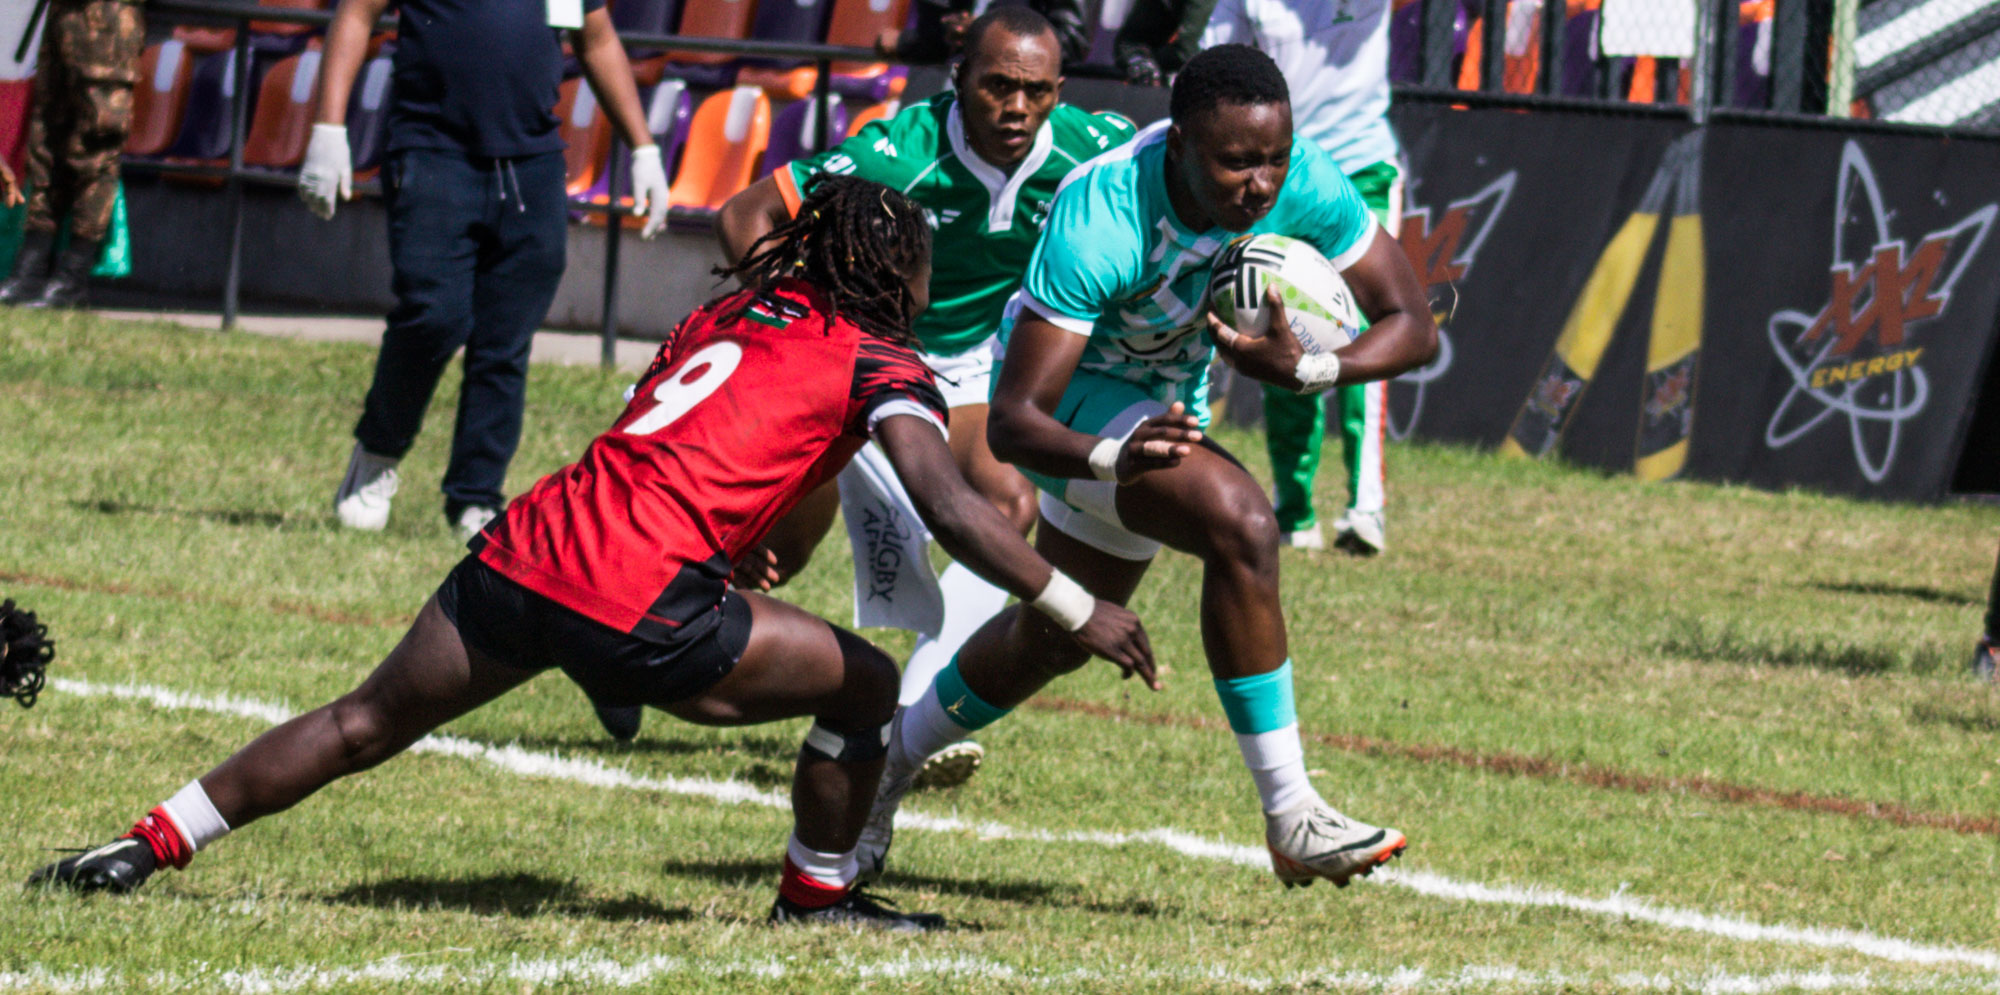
968	602
1277	762
835	870
925	730
195	816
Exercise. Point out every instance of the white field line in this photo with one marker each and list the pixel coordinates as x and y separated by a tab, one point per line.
600	972
1618	906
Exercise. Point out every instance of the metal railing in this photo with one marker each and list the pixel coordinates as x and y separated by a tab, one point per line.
236	175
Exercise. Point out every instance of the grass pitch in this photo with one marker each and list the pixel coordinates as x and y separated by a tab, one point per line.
1642	737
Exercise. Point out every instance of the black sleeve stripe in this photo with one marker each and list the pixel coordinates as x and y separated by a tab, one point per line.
885	370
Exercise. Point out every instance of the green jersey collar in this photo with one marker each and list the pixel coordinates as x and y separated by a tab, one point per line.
1002	191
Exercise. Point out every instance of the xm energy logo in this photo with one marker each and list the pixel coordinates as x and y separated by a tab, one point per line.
1858	361
1442	247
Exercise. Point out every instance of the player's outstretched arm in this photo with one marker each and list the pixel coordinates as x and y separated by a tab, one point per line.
1021	429
750	215
975	534
1401	333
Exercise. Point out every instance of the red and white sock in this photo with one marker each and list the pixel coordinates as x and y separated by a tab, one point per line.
815	879
181	825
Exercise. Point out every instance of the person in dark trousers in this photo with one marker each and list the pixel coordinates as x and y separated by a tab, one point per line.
1983	654
83	111
478	218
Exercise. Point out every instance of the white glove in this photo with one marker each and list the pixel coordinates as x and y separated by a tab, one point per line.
649	189
328	170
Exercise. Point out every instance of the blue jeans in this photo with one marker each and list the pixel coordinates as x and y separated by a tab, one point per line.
477	247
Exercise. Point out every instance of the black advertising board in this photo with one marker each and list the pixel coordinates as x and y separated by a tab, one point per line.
1770	305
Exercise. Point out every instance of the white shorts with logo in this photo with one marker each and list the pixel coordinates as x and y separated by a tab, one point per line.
966	378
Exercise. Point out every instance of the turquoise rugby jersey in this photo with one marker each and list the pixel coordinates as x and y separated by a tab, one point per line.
1114	263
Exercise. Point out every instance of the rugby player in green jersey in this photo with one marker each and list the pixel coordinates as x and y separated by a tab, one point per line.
984	161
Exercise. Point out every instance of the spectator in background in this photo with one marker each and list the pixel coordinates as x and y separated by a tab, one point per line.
83	111
1335	57
937	30
478	220
1159	37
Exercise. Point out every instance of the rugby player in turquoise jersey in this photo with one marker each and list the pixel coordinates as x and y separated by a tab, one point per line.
984	160
1103	395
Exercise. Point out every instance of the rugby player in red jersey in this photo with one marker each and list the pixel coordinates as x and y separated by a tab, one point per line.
617	568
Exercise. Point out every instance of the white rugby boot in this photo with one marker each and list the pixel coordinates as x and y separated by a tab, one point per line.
950	767
363	499
1313	840
1361	533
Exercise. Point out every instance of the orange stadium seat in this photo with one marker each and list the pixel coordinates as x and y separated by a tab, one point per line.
724	144
714	19
283	27
165	70
878	112
855	23
286	101
586	133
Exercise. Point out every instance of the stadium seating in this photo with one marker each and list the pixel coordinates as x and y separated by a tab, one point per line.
586	134
204	132
165	72
708	19
795	133
368	110
669	110
875	112
286	99
853	23
649	17
725	141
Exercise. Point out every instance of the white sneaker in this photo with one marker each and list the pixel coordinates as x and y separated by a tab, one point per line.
1309	538
950	767
1360	532
363	499
1313	840
474	518
873	849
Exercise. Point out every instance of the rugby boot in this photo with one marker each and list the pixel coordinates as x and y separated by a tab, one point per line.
858	908
31	268
1360	533
118	866
1313	840
68	286
367	490
950	767
873	850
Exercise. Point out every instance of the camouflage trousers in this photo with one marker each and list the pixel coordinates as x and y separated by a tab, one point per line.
83	111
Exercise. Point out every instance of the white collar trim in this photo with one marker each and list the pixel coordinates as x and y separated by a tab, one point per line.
1002	191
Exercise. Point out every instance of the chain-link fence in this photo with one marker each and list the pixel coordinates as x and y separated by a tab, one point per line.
1928	62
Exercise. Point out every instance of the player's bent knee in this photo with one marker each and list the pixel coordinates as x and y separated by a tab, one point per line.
858	746
868	685
1244	531
365	731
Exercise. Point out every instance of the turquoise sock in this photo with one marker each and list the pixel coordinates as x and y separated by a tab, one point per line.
1260	703
964	708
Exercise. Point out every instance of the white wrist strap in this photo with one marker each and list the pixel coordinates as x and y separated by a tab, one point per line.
1065	601
1317	372
1104	460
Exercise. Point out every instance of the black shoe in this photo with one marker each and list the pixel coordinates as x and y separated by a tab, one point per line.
68	285
621	723
857	909
118	866
31	268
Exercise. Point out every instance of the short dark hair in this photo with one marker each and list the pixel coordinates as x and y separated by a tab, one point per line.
1227	74
1021	22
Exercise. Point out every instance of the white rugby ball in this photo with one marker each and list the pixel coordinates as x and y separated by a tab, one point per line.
1318	305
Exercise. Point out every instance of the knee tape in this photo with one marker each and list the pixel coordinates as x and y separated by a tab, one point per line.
847	747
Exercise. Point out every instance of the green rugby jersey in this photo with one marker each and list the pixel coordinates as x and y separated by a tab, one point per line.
986	221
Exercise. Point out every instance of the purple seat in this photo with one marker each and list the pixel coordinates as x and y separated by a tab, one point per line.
368	110
873	89
789	20
1753	85
1579	54
794	134
205	123
669	108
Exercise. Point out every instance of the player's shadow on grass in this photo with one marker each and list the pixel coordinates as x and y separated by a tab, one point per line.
763	761
520	896
224	516
1727	645
901	886
1930	594
1977	720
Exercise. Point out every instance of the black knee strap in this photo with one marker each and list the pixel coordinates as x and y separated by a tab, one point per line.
847	747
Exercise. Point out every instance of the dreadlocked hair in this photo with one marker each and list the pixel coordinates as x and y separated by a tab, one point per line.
857	242
25	652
